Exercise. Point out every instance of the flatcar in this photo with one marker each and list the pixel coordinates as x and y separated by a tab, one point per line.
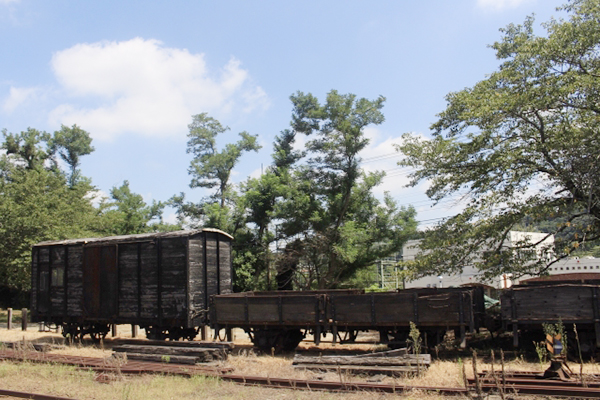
526	309
281	319
159	281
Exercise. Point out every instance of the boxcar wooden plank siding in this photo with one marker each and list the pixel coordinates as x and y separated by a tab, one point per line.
149	281
225	268
128	279
211	258
173	278
146	279
34	279
74	281
196	281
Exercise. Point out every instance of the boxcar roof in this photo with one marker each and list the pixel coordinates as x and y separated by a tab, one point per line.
131	238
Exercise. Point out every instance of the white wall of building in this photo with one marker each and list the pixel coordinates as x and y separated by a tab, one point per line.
472	275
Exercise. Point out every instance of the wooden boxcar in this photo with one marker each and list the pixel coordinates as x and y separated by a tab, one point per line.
159	281
276	319
526	308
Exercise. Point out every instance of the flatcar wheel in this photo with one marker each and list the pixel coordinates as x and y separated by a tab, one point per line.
399	339
291	338
277	339
349	336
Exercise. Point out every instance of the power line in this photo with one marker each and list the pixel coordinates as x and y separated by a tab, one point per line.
381	157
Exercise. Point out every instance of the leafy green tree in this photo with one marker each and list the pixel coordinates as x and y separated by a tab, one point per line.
524	142
27	147
36	204
332	223
71	144
210	167
259	199
128	213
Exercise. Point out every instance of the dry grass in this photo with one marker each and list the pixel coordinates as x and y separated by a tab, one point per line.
71	382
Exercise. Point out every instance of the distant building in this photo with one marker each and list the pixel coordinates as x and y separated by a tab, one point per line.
471	275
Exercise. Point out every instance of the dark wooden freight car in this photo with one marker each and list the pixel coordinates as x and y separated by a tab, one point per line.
159	281
525	309
276	319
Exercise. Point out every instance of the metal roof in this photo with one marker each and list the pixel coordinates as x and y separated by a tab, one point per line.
572	277
131	238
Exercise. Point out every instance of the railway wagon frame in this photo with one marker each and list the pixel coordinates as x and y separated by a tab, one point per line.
525	309
159	281
276	319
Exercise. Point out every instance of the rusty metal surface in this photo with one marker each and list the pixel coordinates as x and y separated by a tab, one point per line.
109	364
538	381
33	396
302	384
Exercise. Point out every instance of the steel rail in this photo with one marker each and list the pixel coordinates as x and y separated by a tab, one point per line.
544	388
33	396
529	381
302	384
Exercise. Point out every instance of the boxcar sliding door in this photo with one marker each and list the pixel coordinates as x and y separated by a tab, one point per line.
100	282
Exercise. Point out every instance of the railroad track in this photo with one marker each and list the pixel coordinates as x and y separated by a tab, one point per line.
522	383
32	396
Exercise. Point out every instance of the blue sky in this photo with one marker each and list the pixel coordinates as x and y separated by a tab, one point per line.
132	73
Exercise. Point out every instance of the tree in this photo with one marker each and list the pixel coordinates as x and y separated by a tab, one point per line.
70	144
128	214
36	204
27	147
331	222
210	167
259	201
523	143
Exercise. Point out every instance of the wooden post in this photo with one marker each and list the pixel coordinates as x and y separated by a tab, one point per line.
134	331
41	327
114	330
9	321
203	332
229	334
24	319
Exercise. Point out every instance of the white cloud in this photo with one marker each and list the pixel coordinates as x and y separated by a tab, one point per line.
499	5
97	196
142	86
18	96
6	2
171	218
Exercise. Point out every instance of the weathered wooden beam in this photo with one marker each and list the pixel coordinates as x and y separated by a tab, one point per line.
23	319
421	359
203	353
362	370
189	360
9	321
